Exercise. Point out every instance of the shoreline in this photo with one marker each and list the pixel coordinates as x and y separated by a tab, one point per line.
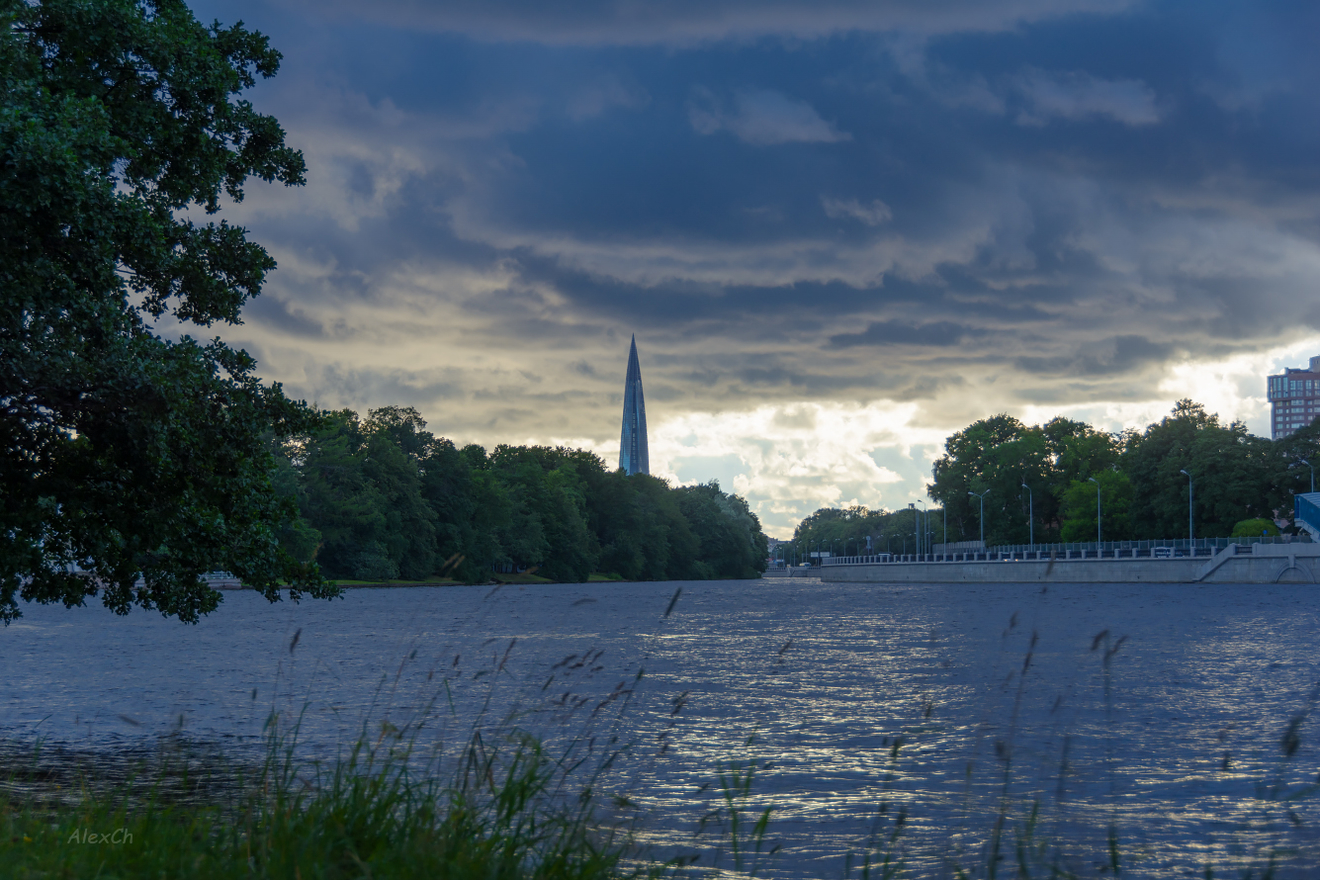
1235	564
525	580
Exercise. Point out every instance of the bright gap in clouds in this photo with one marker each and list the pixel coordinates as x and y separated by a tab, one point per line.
790	460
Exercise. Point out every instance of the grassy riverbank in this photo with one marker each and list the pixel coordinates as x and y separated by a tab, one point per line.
502	814
500	821
507	809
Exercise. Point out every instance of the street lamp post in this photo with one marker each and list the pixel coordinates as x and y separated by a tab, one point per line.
916	530
1031	517
923	546
1308	464
982	495
1191	490
1098	537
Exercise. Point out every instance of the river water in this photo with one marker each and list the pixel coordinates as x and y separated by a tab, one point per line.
1159	711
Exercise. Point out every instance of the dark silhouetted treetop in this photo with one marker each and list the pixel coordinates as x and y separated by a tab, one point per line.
1235	474
845	530
1144	491
1026	471
141	460
384	498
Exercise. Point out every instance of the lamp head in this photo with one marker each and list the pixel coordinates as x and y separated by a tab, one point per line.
1093	480
1185	474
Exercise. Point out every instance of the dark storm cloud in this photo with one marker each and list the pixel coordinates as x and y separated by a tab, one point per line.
293	321
1048	199
939	333
367	389
616	22
1118	355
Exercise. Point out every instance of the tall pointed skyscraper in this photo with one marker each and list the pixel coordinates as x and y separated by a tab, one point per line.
633	456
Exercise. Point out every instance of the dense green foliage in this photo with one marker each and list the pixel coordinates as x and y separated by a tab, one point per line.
998	456
122	451
1236	475
1053	471
1144	493
1109	498
845	532
383	498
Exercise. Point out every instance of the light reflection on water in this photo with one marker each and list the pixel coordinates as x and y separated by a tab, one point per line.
821	678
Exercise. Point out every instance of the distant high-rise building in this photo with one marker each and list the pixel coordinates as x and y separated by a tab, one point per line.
1294	399
633	455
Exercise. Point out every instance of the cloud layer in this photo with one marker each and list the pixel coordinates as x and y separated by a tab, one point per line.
839	231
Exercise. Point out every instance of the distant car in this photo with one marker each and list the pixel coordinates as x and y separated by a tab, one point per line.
883	557
1162	552
806	565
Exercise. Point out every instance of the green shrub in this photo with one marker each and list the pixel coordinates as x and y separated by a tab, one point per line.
1253	528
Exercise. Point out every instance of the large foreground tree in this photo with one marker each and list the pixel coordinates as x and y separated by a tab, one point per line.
122	453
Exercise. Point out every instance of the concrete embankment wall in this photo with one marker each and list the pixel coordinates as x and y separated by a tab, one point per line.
1268	564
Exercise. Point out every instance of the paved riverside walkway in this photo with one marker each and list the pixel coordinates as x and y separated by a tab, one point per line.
1236	563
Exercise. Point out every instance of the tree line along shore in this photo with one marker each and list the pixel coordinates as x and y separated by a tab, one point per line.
382	498
1040	482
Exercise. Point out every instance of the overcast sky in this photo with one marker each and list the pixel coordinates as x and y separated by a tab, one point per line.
839	230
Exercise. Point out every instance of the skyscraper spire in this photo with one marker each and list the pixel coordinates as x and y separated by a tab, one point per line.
633	455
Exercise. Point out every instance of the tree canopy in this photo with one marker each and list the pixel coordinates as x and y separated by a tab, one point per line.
141	460
1024	471
1242	484
382	498
1236	475
1144	492
845	531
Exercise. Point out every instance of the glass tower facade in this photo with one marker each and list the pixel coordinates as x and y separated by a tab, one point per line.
633	455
